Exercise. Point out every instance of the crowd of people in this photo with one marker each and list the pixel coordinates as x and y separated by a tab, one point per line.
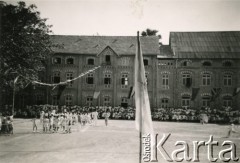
55	118
223	115
60	119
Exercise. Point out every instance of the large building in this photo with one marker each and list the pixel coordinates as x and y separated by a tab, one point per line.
196	69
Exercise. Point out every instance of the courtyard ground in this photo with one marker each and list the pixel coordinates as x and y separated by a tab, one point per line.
117	143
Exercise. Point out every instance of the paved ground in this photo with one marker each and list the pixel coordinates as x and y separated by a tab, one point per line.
117	143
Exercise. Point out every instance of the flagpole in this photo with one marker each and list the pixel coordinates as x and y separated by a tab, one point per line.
14	90
140	112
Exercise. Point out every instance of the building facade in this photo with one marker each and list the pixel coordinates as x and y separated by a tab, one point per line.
196	69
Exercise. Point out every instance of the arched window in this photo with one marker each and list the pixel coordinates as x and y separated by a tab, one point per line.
227	101
107	80
227	63
206	63
57	60
227	79
206	101
187	79
108	59
70	61
90	61
186	101
90	78
165	81
206	79
56	77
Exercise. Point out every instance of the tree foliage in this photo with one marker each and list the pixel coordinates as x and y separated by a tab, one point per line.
149	32
25	42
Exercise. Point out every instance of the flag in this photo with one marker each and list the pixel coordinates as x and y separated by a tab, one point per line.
194	93
96	94
236	91
143	113
60	90
215	93
131	92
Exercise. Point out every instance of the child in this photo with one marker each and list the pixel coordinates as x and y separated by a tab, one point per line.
60	122
231	130
34	124
55	123
51	123
69	125
45	123
10	125
95	117
41	117
64	123
106	115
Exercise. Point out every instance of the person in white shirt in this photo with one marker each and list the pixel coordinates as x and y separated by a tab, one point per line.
95	117
231	130
106	116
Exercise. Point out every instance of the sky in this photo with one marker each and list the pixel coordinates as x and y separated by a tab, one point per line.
126	17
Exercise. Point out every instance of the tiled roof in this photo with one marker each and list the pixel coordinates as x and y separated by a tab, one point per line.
205	44
122	45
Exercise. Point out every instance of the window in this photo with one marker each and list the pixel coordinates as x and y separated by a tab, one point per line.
108	59
186	102
227	80
206	63
57	60
145	62
39	99
70	61
227	64
68	100
187	79
227	101
69	76
124	81
206	101
89	101
56	77
125	61
55	100
165	81
124	102
90	79
185	63
90	61
107	80
146	76
106	101
164	102
206	79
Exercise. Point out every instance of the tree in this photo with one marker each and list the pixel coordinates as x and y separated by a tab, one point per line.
25	43
151	32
